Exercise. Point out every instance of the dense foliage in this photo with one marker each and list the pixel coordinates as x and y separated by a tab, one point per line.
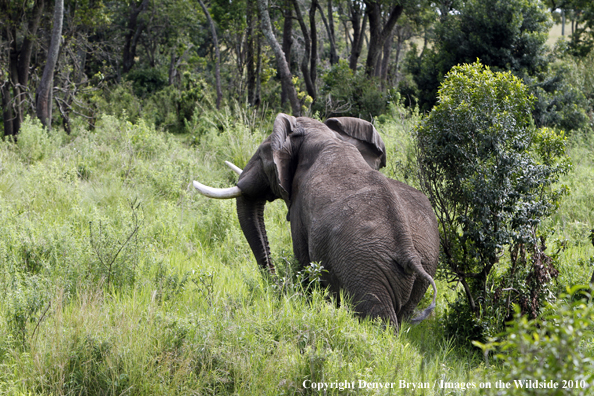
347	92
548	351
159	47
504	35
490	176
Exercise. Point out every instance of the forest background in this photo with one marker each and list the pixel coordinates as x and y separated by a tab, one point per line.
118	279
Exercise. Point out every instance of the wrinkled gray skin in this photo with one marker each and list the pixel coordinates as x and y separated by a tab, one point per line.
377	237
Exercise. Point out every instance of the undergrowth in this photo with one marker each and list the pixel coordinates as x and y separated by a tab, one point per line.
118	279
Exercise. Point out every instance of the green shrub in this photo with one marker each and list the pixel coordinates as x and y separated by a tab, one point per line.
345	93
178	109
407	87
119	101
506	35
146	141
559	102
548	350
147	81
116	249
34	142
23	302
490	175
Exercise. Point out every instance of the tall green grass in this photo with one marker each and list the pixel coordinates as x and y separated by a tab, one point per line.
574	221
117	279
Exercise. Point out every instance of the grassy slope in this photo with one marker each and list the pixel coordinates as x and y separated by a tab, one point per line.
182	308
574	220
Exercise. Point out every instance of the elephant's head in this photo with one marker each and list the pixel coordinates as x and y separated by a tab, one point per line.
270	172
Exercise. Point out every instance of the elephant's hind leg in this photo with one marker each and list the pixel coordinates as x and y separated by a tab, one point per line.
418	291
377	305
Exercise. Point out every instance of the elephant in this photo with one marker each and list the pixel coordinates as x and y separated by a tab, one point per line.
377	238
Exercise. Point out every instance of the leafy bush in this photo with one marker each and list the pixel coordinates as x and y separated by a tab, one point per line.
24	301
34	142
119	101
579	74
147	81
145	140
559	102
506	35
176	109
549	349
168	107
407	87
345	93
116	250
489	174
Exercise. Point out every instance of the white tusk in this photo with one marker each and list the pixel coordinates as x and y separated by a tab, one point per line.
234	167
220	193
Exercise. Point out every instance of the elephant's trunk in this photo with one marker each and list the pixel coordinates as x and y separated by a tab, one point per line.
251	219
250	213
418	268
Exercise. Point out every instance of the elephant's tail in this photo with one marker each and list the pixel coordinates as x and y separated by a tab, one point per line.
418	268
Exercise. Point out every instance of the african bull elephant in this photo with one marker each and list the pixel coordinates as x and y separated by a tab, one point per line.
377	237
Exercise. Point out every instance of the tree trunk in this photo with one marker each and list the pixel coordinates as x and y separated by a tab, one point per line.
283	66
399	41
287	45
174	64
425	41
215	41
44	90
172	69
378	32
333	54
7	112
81	57
358	34
132	36
27	47
386	58
347	31
14	86
313	67
305	61
251	72
258	69
14	83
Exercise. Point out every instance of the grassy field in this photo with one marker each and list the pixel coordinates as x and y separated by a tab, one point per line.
118	279
555	33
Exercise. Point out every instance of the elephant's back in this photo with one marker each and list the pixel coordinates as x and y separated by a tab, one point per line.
353	226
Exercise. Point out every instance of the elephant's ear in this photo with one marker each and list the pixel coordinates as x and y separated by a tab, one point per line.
282	153
362	135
